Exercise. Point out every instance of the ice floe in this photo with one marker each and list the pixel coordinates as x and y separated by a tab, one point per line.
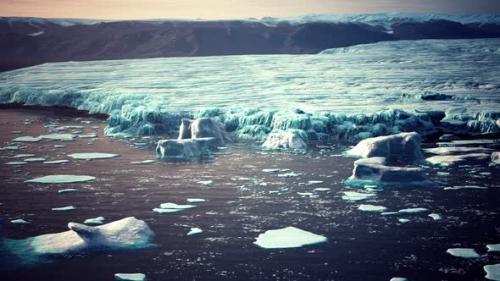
206	182
26	139
92	155
23	155
34	159
56	161
172	208
398	279
16	163
311	182
10	147
288	237
449	160
458	150
322	189
88	136
289	175
97	220
413	210
19	221
149	161
65	208
466	253
371	208
458	187
184	149
492	271
435	216
58	137
493	247
403	220
195	200
67	190
356	196
130	276
194	231
290	139
61	179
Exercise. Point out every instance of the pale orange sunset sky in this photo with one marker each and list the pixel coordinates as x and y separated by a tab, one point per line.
230	9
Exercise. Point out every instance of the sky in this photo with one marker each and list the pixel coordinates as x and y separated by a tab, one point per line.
232	9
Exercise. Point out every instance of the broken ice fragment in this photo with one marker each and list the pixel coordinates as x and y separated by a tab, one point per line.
172	208
492	271
466	253
59	137
56	161
16	163
356	196
65	208
10	147
435	216
207	182
67	190
130	276
26	139
465	187
288	237
314	182
493	247
23	155
98	220
19	221
289	175
403	220
34	159
270	170
194	230
88	136
398	279
61	179
142	162
371	208
322	189
413	210
92	155
195	200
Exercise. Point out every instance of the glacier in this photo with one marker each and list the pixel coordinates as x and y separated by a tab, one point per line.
347	94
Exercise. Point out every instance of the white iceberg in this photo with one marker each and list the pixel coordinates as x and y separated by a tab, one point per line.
172	208
195	200
35	159
65	208
356	196
26	139
290	139
16	163
413	210
56	161
466	253
92	155
435	216
19	221
492	271
449	160
371	208
61	179
97	220
288	237
58	137
493	247
130	276
194	231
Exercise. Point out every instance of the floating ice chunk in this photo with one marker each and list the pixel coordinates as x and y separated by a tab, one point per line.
493	247
142	162
469	142
495	157
172	208
16	163
465	187
195	200
98	220
194	230
56	161
373	171
413	210
288	237
403	220
19	221
92	155
130	276
289	175
184	149
356	196
59	146
492	271
371	208
206	183
449	160
88	136
290	139
398	279
65	208
458	150
27	139
389	213
273	170
34	159
435	216
10	147
61	179
58	137
67	190
322	189
24	155
466	253
127	233
204	128
403	147
314	182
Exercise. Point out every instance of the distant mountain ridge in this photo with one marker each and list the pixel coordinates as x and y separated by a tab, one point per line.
31	41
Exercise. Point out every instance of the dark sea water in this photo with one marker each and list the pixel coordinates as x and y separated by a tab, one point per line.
242	202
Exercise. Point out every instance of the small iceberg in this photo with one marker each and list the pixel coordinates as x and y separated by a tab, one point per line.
403	220
371	208
435	216
26	139
398	279
206	183
61	179
465	187
58	137
56	161
288	237
413	210
67	190
10	147
194	230
16	163
142	162
272	170
356	196
98	220
314	182
322	189
130	276
92	155
18	221
466	253
172	208
35	159
451	160
24	155
492	271
65	208
289	175
195	200
493	247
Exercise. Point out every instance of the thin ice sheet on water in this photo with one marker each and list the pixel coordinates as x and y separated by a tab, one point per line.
61	179
466	253
92	155
288	237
